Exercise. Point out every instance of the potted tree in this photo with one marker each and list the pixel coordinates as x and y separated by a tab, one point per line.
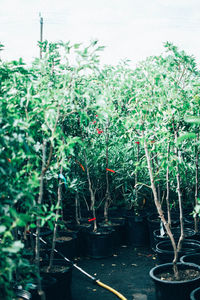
157	81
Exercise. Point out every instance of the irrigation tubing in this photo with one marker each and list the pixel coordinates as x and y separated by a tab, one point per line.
95	280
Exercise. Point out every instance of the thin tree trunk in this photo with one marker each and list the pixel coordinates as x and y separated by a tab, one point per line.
178	179
56	222
92	195
107	195
136	176
196	218
45	167
158	185
167	187
38	220
77	206
159	208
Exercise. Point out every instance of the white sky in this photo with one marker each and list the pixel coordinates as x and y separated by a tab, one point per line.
132	29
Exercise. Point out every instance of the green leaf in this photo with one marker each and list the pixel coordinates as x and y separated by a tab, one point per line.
2	228
193	119
14	248
189	135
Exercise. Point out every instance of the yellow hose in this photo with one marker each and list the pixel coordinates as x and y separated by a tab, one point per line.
120	296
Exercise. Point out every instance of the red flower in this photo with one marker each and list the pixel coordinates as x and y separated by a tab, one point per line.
96	116
99	131
94	122
137	143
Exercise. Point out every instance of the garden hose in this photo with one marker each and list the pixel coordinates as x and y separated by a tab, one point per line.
96	281
105	286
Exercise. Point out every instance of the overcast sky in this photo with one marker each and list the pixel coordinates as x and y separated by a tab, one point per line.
132	29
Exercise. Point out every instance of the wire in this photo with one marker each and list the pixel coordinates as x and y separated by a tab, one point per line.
103	285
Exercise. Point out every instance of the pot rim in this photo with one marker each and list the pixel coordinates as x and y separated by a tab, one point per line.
192	294
154	277
186	241
188	255
174	228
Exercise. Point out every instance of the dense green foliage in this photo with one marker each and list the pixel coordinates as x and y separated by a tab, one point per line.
91	118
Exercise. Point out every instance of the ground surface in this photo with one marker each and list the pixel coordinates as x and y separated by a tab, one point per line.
127	272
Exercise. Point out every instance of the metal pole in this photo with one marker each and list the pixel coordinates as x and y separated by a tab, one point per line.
41	33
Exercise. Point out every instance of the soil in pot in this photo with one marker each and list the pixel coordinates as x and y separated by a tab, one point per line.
184	275
165	251
170	289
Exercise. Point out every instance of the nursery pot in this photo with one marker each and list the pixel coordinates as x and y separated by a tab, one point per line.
171	290
119	234
100	244
191	258
137	231
62	272
165	253
154	223
195	294
82	238
188	234
22	295
117	226
48	286
66	243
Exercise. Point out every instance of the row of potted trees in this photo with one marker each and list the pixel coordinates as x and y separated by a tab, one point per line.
77	137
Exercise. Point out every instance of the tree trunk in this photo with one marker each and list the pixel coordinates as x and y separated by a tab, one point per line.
167	187
92	195
196	218
107	195
158	206
177	153
56	222
38	221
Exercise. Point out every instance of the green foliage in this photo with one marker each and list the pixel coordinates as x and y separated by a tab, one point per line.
67	100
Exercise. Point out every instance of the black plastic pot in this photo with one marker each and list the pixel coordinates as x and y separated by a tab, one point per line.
154	223
165	251
195	294
79	230
188	232
62	287
48	286
117	225
82	238
100	244
191	258
137	231
171	290
119	234
22	294
67	247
